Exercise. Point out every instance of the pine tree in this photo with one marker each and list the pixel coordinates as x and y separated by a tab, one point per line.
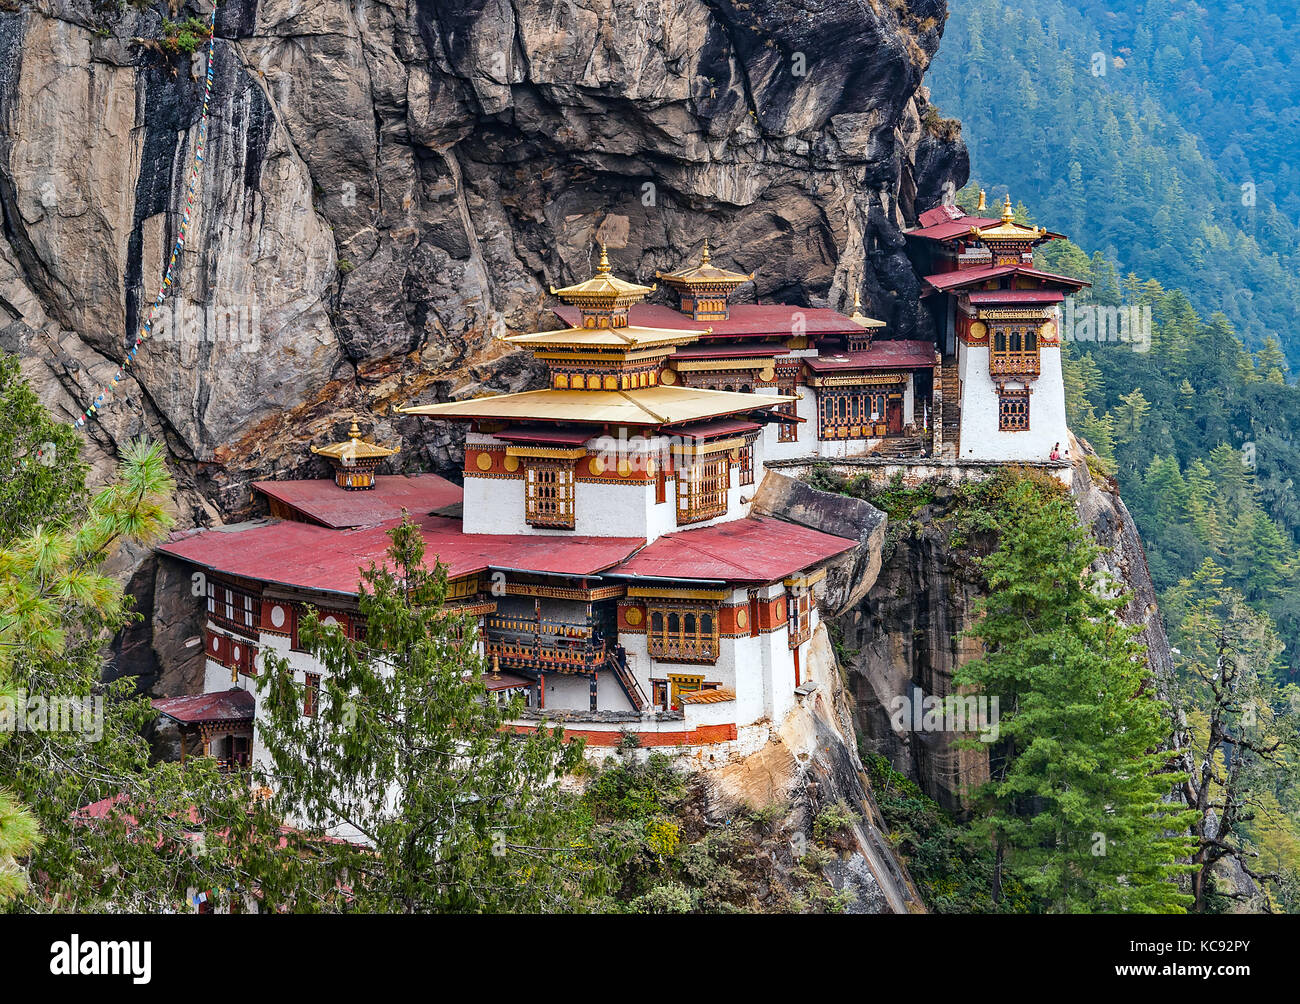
1077	801
407	755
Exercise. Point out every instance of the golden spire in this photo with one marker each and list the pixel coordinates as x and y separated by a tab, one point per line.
859	317
604	291
982	207
1008	214
704	255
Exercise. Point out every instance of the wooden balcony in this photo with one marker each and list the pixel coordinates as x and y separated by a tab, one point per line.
1021	364
543	645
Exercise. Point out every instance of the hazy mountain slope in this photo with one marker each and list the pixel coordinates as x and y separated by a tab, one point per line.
1104	158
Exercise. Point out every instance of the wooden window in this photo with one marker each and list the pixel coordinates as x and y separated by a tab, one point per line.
745	465
548	495
683	633
1015	352
234	607
659	693
800	623
311	694
850	413
1013	410
787	432
702	487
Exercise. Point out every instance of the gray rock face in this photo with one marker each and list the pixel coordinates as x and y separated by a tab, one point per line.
389	187
850	576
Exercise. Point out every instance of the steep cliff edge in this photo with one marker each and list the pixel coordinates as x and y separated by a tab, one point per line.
389	187
906	636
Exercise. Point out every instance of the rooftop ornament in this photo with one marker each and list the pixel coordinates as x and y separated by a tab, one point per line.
704	289
354	460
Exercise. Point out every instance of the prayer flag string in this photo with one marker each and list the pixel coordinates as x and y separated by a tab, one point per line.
146	329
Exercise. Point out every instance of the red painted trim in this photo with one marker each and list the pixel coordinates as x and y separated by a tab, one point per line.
702	736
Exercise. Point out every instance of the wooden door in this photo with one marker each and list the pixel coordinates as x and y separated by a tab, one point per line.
894	415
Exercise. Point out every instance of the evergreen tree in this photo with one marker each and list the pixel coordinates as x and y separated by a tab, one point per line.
1077	801
1245	728
408	756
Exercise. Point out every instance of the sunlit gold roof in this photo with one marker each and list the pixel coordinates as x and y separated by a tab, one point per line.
645	406
1009	230
704	274
858	317
628	338
354	448
604	289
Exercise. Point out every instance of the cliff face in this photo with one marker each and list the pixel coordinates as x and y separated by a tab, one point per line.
390	186
905	637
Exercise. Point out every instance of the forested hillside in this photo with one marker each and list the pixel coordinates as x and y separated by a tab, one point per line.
1145	134
1201	436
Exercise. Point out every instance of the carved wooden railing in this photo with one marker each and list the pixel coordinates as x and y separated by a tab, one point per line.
1014	364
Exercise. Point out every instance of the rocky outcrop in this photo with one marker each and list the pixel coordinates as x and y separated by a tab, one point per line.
850	576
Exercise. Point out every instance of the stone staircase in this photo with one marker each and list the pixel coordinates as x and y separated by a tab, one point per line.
900	448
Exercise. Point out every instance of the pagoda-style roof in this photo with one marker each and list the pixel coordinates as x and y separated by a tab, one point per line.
974	277
645	406
705	275
306	556
353	449
604	289
629	338
321	501
1007	229
753	549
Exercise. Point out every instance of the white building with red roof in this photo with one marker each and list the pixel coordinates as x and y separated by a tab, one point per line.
1002	394
602	535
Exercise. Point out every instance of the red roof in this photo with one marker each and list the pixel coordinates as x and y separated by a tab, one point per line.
232	705
755	549
982	296
946	227
560	437
324	502
306	556
747	320
717	427
944	281
880	355
941	213
733	351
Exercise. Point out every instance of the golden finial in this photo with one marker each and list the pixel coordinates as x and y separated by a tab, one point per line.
982	207
355	431
603	267
1008	214
704	255
496	667
857	300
